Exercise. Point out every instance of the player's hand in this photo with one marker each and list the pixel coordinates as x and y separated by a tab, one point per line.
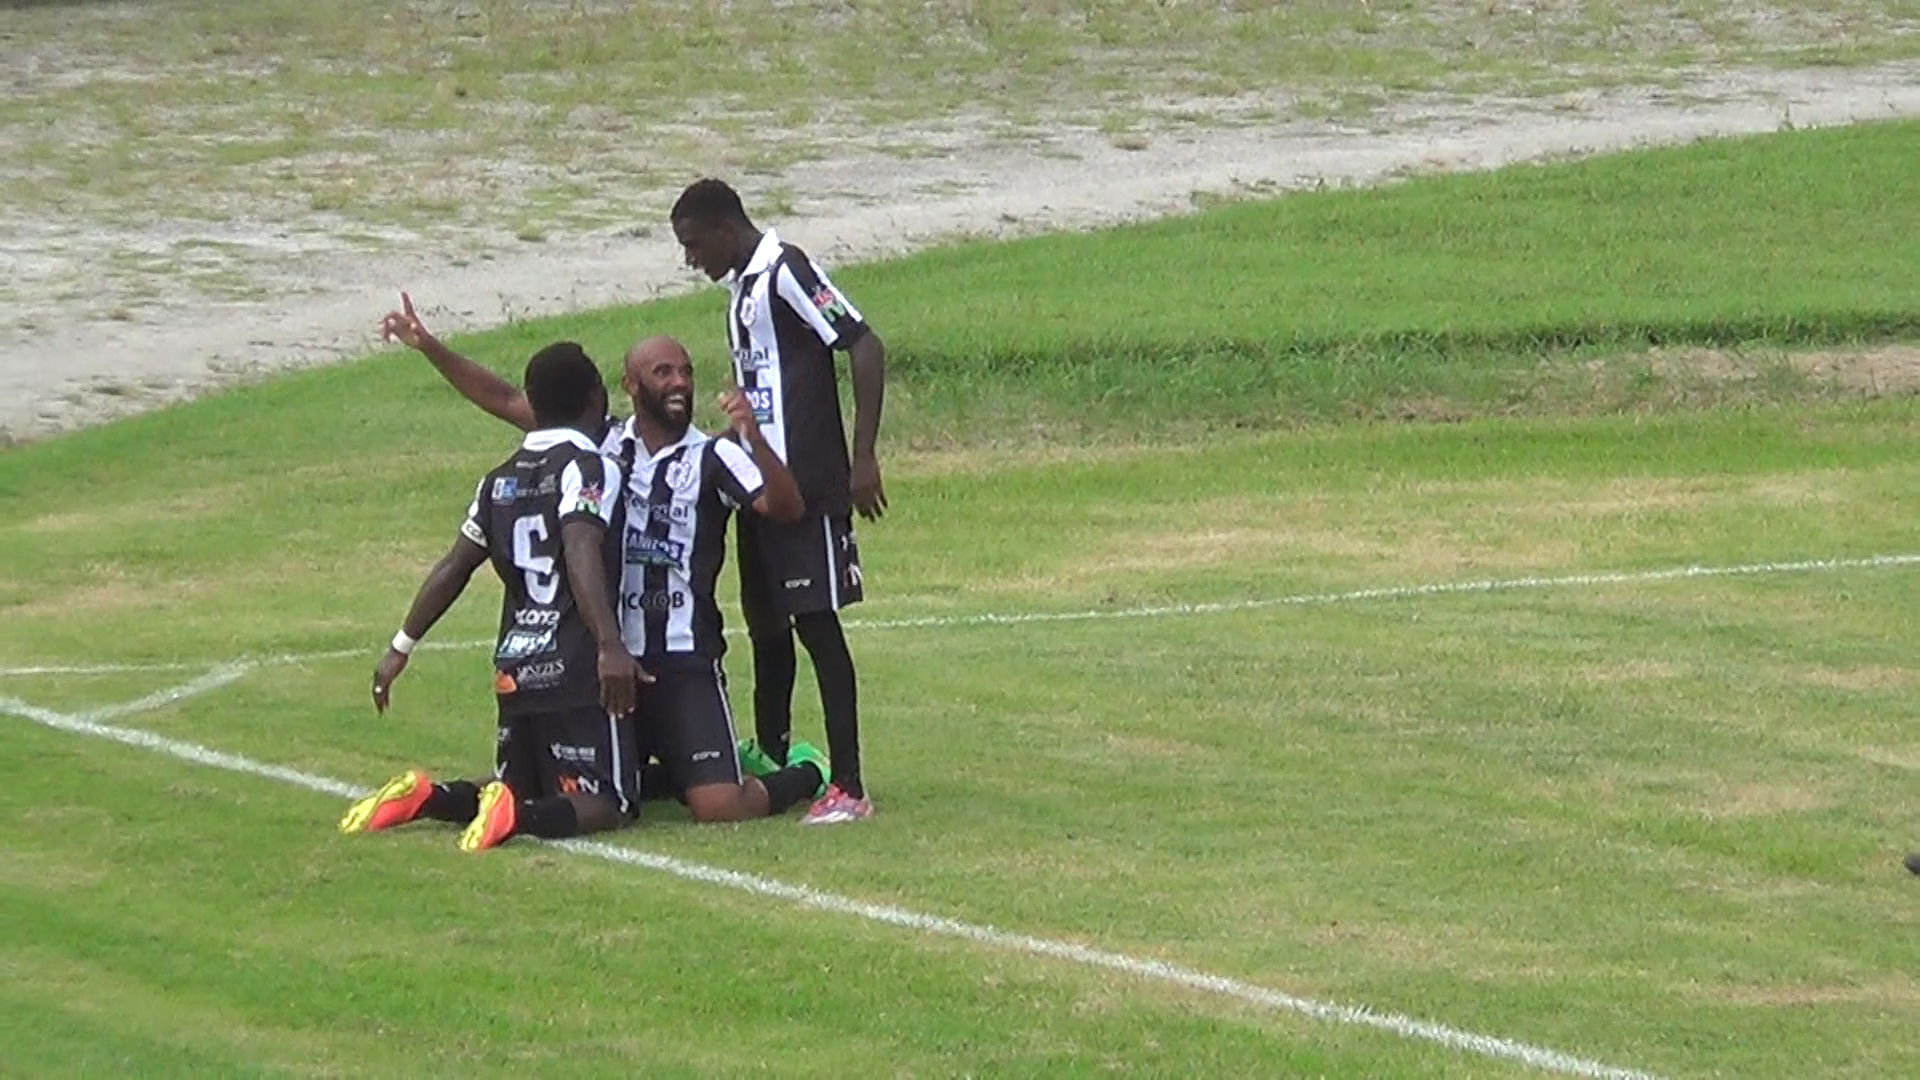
869	497
620	679
405	327
389	669
739	412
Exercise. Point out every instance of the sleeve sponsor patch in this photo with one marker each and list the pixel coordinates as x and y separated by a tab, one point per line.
829	302
588	500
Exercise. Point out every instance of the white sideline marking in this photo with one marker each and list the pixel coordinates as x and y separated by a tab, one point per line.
1391	592
212	680
1156	970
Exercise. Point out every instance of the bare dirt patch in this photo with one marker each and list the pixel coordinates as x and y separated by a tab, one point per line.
1886	993
184	210
1736	801
1869	371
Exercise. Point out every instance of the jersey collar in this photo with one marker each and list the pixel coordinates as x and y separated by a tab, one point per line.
693	437
763	255
548	438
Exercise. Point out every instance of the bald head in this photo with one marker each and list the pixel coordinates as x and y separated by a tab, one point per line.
659	377
649	351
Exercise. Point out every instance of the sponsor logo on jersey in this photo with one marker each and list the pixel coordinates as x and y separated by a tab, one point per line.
520	644
506	489
544	675
761	398
752	359
536	617
653	601
645	550
673	513
578	755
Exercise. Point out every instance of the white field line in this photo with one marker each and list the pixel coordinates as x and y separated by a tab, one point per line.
1155	970
1392	592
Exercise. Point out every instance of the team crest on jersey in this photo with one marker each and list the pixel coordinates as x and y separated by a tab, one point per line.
683	474
829	302
748	309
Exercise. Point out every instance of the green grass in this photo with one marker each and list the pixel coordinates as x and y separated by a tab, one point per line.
1654	824
1533	289
1657	824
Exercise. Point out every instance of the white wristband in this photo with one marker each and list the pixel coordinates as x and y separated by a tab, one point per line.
403	644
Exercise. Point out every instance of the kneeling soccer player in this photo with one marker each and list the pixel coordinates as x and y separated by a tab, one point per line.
566	759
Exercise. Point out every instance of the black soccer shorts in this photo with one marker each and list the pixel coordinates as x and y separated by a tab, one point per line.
685	720
810	565
577	751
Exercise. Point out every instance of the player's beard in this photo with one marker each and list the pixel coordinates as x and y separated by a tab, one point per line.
655	406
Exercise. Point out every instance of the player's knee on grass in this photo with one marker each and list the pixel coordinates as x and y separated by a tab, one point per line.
713	803
597	813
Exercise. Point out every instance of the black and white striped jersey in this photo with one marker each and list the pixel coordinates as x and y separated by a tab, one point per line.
678	503
784	321
545	659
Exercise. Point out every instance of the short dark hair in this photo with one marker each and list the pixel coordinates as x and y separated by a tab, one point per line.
561	379
709	202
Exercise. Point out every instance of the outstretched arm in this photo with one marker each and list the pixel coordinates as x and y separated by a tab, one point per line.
868	358
492	393
444	584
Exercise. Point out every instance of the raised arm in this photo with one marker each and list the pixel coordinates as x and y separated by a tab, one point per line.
779	498
868	359
444	584
489	391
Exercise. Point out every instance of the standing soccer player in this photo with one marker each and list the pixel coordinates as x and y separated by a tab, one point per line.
785	320
547	518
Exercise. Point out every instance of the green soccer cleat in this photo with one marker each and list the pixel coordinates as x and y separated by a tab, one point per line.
802	753
755	761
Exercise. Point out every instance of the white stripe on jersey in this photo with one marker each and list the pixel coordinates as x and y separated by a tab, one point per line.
740	464
757	370
677	471
577	497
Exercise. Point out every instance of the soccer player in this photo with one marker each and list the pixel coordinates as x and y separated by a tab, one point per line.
785	319
682	487
547	518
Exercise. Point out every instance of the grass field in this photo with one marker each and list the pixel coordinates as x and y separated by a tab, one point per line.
1649	821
